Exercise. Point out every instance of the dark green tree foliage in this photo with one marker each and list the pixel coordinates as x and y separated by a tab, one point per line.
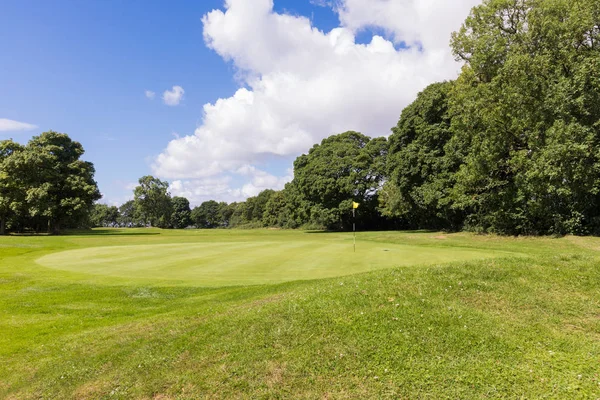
207	215
237	212
528	105
12	195
59	188
343	168
181	216
224	214
129	215
153	201
275	210
255	206
422	163
103	215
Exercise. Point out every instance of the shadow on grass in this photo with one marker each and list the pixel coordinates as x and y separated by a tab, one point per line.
107	232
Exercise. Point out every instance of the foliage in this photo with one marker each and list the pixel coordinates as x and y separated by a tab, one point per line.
181	215
45	181
422	163
527	104
104	215
129	215
255	206
12	195
207	215
343	168
153	201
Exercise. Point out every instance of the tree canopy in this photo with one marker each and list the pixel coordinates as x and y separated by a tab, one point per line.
154	201
343	168
46	182
527	103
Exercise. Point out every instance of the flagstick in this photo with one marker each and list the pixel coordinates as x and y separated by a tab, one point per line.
354	228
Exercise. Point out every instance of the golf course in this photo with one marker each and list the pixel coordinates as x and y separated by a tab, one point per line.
187	314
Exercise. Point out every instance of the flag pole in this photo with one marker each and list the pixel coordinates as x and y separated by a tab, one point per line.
354	228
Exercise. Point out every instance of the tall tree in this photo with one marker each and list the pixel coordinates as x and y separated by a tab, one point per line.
59	186
528	104
422	163
154	201
207	215
343	168
181	217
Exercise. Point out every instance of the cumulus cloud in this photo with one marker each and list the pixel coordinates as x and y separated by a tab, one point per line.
425	23
9	125
219	188
301	85
150	94
174	96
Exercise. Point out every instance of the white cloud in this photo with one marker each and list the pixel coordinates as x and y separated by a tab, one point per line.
8	125
150	94
427	23
261	180
219	188
302	85
173	97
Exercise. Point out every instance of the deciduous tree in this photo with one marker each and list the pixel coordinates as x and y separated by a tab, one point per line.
153	201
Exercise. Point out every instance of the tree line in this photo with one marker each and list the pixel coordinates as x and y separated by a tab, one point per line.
341	169
512	146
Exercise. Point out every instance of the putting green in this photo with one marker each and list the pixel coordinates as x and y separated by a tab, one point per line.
249	262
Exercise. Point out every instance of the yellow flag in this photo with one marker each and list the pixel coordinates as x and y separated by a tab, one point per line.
355	204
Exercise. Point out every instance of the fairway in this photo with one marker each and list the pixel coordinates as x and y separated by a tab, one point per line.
207	263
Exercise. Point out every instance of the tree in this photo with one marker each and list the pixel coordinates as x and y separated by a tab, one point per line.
129	214
207	215
104	215
12	196
422	163
181	217
237	212
59	187
527	104
224	214
153	201
343	168
255	206
275	210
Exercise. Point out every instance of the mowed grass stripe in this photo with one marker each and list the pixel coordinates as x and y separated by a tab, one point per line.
250	262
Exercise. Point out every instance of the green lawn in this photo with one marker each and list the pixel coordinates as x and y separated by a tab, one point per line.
153	314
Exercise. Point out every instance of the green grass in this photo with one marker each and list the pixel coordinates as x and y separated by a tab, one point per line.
153	314
249	260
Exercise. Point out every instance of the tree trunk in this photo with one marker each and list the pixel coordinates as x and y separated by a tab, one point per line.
2	225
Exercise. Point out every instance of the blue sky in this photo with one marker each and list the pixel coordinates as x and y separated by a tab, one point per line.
82	68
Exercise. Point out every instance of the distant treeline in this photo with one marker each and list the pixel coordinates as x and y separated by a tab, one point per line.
512	146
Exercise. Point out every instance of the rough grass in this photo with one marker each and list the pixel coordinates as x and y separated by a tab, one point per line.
524	323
